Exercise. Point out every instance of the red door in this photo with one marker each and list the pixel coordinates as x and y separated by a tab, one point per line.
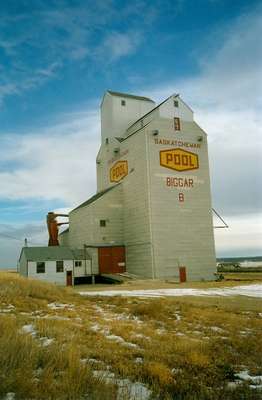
111	260
182	274
68	278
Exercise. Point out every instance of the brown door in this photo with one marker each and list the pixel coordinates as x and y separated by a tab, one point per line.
68	278
111	260
182	274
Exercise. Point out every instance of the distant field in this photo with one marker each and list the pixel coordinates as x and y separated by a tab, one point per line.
55	344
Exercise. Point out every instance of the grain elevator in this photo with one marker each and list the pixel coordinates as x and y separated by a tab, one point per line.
152	213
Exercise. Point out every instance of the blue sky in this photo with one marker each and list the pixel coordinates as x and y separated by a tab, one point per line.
58	57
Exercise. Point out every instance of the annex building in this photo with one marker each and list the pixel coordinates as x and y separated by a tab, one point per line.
152	214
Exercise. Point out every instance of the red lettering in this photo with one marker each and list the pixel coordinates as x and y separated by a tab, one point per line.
169	158
177	159
181	197
184	160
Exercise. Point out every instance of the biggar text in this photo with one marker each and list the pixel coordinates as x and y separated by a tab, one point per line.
180	182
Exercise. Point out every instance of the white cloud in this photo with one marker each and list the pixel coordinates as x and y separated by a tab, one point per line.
116	45
244	236
54	163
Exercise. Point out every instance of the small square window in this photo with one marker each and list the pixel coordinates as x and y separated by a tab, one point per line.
123	102
175	103
102	222
177	124
78	263
60	266
40	267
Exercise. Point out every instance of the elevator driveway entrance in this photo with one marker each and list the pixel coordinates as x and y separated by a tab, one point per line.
111	260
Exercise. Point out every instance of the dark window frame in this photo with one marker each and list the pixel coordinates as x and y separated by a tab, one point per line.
177	124
123	103
78	263
102	223
40	267
59	266
176	104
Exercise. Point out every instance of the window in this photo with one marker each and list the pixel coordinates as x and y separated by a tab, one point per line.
60	266
177	124
123	102
102	222
175	103
40	267
78	263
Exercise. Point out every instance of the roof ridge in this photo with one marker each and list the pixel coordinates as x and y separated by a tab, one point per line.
133	96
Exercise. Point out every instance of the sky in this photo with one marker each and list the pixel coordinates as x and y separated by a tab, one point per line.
58	57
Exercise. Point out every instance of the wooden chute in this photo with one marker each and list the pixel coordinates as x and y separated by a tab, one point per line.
52	226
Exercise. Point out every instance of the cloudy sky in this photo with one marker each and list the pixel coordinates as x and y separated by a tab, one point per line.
57	57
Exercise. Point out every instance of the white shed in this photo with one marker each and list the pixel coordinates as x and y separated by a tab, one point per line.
56	264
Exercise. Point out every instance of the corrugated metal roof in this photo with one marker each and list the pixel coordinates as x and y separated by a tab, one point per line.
95	197
53	253
131	96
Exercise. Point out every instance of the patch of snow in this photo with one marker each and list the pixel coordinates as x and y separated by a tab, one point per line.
46	341
245	376
175	370
216	329
161	331
126	388
255	386
9	396
29	328
95	328
244	290
180	334
60	306
131	345
141	336
107	376
139	360
92	361
115	338
178	317
234	384
132	390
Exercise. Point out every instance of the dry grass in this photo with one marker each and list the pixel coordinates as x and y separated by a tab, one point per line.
179	348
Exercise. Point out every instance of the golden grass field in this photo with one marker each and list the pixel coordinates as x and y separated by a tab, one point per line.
55	344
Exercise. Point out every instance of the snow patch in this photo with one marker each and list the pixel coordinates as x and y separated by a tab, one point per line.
60	306
216	329
9	396
29	328
247	290
126	388
244	375
46	341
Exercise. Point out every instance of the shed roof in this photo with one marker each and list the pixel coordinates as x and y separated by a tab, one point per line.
131	96
52	253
